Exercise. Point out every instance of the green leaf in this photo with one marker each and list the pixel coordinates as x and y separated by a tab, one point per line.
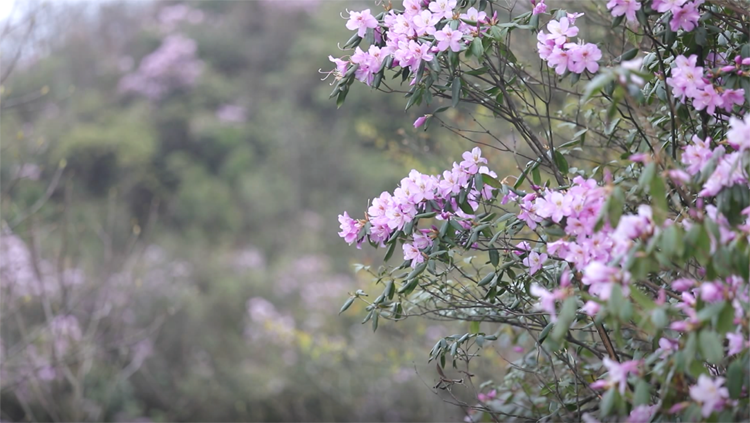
390	250
536	176
659	317
474	327
745	84
456	91
711	346
596	85
628	55
608	403
478	182
617	21
417	270
477	50
487	279
736	376
489	180
725	320
347	304
648	173
615	206
545	332
644	301
708	312
375	317
566	318
672	242
659	200
642	395
561	163
494	258
341	97
616	300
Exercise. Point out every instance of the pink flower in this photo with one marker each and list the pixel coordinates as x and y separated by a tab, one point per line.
403	25
708	99
667	346
420	51
443	8
487	397
349	228
361	21
685	17
420	121
591	308
710	393
711	292
412	7
739	133
678	176
624	7
424	22
341	65
602	278
473	15
732	97
448	38
736	343
698	153
687	78
539	8
472	160
560	60
585	57
617	374
663	6
561	30
534	261
642	414
412	253
546	300
554	205
545	45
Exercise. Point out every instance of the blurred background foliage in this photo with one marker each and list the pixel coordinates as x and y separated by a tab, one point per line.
171	176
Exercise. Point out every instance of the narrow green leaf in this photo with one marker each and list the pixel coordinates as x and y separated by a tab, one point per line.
567	316
711	346
347	304
456	91
642	394
736	376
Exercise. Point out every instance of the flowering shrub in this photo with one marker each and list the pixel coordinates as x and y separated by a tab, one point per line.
172	66
621	251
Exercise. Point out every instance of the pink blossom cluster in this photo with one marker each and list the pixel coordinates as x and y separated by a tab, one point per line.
587	250
547	299
420	193
729	170
732	289
410	37
555	47
688	82
172	66
231	113
617	374
266	321
538	7
171	16
684	13
20	277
